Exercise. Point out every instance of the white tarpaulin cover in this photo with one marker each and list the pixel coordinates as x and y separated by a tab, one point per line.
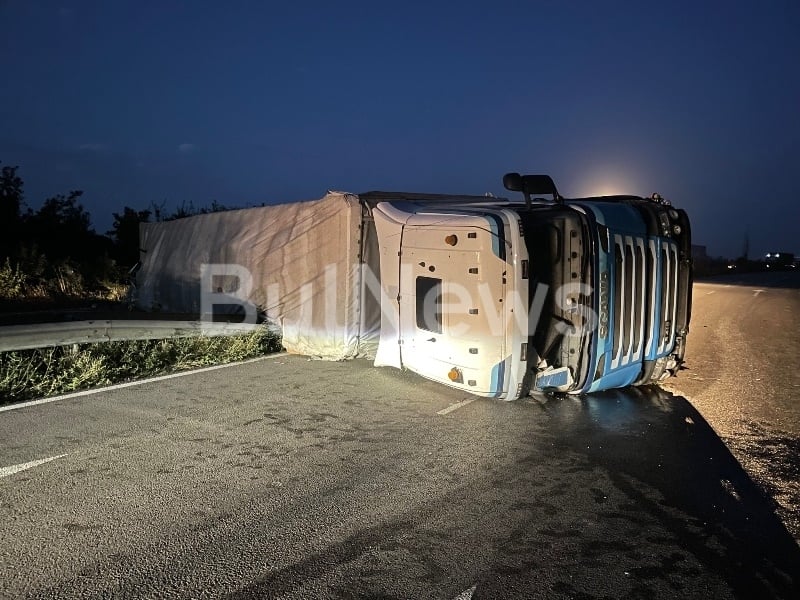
305	260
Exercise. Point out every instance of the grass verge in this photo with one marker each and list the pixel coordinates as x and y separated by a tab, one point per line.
29	374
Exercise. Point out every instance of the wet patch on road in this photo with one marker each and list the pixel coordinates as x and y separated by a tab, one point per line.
773	460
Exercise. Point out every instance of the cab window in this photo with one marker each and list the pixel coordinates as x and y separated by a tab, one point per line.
429	304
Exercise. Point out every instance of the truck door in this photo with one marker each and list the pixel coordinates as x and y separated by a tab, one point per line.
452	314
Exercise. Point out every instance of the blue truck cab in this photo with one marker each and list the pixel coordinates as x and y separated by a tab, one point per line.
500	297
631	258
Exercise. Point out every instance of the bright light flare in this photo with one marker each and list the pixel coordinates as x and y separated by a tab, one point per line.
609	181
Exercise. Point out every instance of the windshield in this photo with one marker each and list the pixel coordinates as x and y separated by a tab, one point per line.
559	258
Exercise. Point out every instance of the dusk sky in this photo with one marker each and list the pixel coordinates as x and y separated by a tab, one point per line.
258	102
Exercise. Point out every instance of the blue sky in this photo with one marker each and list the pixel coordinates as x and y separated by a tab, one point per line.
251	102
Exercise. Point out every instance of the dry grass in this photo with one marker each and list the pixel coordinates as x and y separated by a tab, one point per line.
50	371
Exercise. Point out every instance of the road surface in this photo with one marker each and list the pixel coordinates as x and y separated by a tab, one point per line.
299	479
743	375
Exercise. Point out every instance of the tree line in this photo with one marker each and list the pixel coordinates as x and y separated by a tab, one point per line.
54	251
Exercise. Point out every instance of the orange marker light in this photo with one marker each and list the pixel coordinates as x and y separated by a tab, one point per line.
451	240
454	374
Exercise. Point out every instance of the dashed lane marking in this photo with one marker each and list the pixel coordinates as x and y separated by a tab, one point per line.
453	407
6	471
466	594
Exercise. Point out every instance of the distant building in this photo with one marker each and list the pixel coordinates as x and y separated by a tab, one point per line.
780	260
708	265
699	253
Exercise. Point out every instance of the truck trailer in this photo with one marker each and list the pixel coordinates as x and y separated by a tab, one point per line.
497	297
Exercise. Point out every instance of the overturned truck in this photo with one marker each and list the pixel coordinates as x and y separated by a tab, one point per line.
497	297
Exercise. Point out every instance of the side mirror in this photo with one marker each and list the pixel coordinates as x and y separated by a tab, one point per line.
539	184
531	185
512	182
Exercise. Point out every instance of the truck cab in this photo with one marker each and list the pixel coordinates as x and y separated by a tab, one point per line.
502	297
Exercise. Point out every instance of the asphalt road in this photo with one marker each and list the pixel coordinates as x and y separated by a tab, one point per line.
743	375
300	479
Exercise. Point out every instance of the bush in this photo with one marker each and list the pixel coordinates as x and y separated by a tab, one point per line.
12	281
50	371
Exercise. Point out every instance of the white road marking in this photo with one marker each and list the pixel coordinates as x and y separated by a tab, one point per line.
466	594
119	386
453	407
757	292
6	471
709	293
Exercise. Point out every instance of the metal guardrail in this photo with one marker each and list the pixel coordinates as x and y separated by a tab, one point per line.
45	335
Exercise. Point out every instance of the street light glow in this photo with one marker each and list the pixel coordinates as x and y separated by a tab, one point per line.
606	182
